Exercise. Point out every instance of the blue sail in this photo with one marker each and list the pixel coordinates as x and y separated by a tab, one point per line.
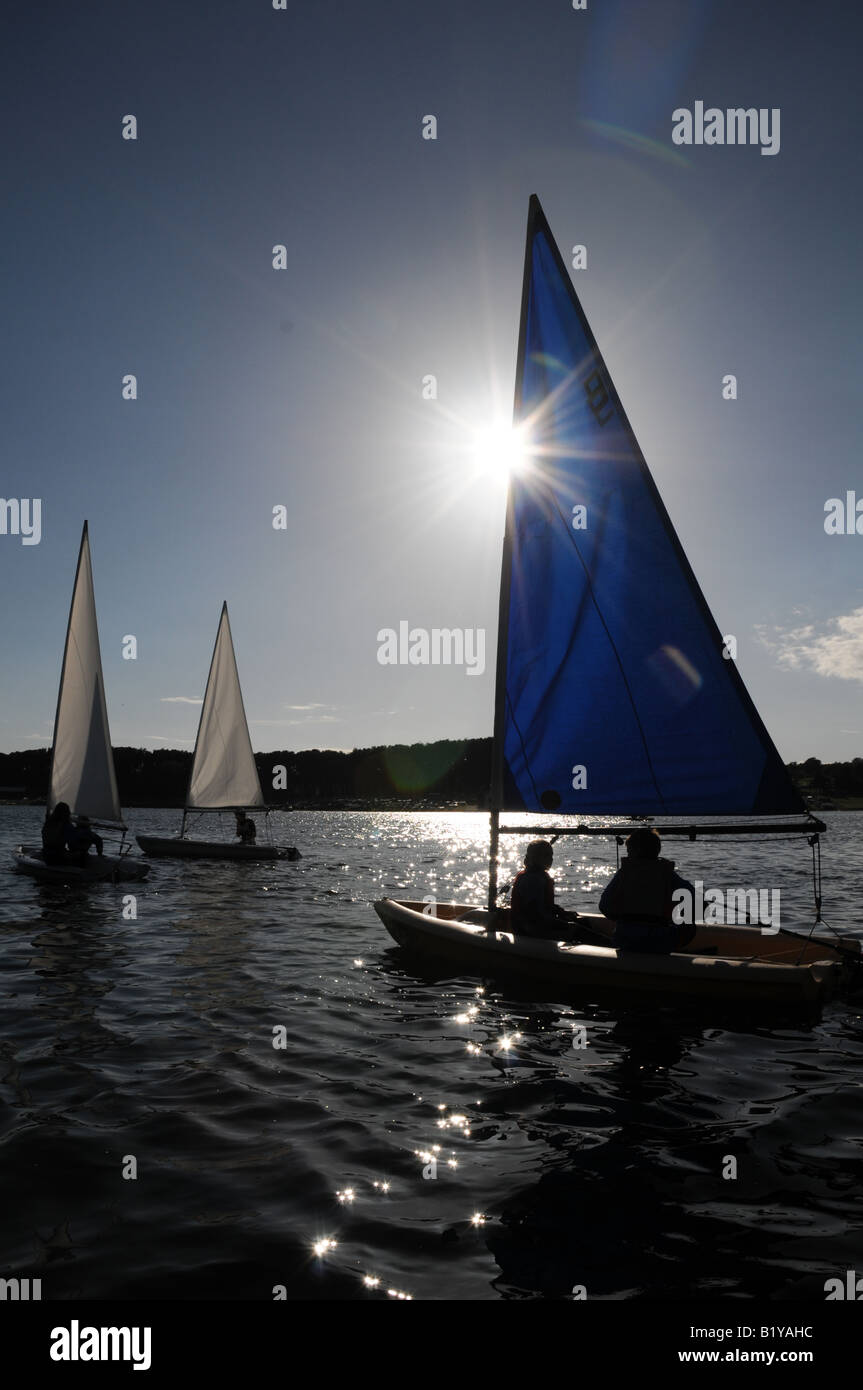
617	697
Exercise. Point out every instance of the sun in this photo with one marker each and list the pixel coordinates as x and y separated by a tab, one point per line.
498	450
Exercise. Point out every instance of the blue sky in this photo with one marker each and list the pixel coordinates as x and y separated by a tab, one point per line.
302	387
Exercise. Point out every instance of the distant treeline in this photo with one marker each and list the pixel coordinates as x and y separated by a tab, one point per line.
417	774
425	774
826	782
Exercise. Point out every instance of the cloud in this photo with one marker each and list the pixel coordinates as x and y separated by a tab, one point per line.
305	707
834	648
157	738
310	719
180	700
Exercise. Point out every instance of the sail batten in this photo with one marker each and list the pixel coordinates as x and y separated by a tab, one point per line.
224	774
82	764
614	693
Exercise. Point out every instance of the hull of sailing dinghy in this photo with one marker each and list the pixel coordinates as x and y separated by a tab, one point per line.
175	848
105	868
785	972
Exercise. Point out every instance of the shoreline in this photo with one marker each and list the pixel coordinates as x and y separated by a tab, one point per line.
850	803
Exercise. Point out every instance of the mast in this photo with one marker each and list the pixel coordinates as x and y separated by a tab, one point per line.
496	797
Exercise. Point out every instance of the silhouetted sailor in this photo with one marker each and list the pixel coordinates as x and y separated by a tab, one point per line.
246	828
81	837
639	899
56	833
533	909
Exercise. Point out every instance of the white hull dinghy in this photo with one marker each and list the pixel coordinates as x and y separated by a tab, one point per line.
82	764
224	777
179	848
615	694
97	868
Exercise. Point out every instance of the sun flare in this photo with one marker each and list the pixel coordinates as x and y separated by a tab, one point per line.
499	450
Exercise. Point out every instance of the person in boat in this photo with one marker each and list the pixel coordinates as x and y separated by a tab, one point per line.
533	911
57	832
82	836
639	899
246	828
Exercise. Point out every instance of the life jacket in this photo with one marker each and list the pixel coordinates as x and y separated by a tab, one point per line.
642	891
55	835
524	903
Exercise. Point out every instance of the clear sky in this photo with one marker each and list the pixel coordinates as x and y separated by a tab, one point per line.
303	386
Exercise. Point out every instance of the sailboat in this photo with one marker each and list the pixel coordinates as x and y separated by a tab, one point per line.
224	776
82	765
615	694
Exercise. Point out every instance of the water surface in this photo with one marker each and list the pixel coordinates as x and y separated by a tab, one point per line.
151	1039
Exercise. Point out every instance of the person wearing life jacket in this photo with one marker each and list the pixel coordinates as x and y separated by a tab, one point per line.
639	899
57	833
533	911
81	837
65	841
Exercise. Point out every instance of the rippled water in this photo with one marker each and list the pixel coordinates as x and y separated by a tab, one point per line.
555	1166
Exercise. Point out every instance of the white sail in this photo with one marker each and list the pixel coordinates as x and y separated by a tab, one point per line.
223	771
82	767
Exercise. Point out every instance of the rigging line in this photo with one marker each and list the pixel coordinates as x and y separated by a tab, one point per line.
855	958
805	942
601	617
823	923
815	844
